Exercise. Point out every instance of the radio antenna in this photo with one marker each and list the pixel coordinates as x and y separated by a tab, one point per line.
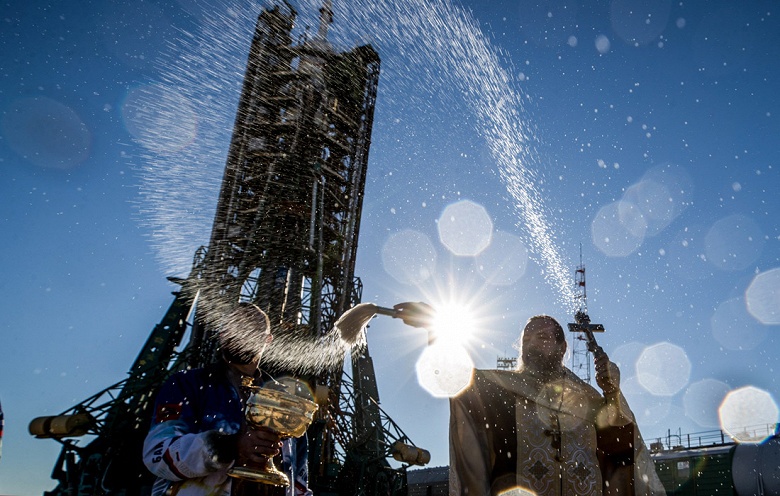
583	342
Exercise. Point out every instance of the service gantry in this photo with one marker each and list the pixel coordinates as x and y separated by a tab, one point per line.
284	237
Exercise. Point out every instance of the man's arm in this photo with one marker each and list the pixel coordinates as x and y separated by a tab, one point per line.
616	411
618	435
172	453
175	450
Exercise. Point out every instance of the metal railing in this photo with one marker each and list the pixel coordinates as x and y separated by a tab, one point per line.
716	437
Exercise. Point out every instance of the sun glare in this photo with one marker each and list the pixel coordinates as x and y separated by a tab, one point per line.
453	323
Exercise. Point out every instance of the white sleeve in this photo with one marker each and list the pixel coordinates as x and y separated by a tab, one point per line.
172	454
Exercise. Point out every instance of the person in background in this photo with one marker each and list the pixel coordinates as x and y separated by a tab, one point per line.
198	429
543	430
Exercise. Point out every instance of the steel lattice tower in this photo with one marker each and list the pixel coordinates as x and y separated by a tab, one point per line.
287	222
284	237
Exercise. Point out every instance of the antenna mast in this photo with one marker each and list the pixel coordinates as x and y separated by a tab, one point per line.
580	357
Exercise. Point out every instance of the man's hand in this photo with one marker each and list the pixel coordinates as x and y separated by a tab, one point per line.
607	373
415	314
256	446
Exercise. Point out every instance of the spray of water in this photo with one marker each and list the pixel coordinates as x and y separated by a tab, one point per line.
180	184
423	44
443	46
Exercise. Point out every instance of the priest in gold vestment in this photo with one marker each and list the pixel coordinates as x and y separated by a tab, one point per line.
542	431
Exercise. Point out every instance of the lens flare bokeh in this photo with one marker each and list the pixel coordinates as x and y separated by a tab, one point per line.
46	133
160	118
734	328
465	228
763	297
618	229
444	369
517	491
701	401
734	243
749	414
646	208
663	369
409	257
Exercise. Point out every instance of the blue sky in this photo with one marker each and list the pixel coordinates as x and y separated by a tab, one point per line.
644	132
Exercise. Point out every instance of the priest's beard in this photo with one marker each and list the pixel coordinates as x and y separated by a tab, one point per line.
547	366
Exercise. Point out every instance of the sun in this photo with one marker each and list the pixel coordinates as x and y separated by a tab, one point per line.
462	311
453	323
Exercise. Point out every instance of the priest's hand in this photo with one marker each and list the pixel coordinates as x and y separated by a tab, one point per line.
415	314
607	373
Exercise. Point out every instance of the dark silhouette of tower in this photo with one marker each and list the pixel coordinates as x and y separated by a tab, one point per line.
284	237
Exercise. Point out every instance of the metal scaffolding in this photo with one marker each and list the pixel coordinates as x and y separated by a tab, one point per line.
284	237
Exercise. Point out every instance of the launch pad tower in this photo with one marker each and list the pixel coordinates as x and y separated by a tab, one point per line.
284	237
